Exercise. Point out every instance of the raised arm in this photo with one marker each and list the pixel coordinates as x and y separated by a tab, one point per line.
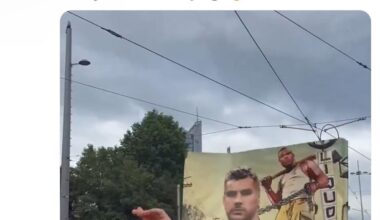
274	197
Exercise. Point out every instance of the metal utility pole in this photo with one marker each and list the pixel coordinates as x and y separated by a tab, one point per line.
359	173
178	202
65	162
360	190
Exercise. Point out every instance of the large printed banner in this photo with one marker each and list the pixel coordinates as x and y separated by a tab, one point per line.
295	182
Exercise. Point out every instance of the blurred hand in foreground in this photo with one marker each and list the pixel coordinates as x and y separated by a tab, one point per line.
151	214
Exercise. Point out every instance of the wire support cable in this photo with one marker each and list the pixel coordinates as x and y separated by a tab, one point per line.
276	74
148	102
358	152
352	120
362	118
353	149
357	200
353	193
236	127
343	124
327	43
188	68
188	113
321	123
331	135
219	131
248	127
177	110
290	126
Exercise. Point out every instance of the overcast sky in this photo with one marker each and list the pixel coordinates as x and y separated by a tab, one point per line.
326	85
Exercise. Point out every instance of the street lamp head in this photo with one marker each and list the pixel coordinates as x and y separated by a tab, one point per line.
84	62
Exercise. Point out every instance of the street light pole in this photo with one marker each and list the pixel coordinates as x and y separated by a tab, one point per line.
65	161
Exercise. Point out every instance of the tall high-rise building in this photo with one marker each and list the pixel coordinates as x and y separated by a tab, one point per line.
194	137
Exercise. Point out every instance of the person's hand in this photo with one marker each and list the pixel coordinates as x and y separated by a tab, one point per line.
267	182
310	188
151	214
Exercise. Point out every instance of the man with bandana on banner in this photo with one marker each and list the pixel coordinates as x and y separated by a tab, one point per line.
304	174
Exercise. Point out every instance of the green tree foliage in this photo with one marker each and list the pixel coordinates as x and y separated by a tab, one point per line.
108	183
157	144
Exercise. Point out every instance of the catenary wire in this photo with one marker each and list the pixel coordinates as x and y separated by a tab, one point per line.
289	125
332	121
358	210
327	43
346	123
353	149
120	36
363	155
246	127
356	197
342	120
148	102
357	200
184	112
326	123
187	68
188	113
220	131
276	74
357	119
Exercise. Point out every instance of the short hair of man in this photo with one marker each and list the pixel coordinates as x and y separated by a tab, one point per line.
242	173
284	148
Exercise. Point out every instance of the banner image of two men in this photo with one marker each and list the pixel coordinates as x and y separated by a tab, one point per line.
309	188
298	182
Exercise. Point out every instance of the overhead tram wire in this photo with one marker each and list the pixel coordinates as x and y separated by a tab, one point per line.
358	210
348	119
151	103
247	127
187	68
191	70
353	193
278	77
236	127
331	135
353	149
327	43
357	119
357	200
289	126
358	152
347	122
219	131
